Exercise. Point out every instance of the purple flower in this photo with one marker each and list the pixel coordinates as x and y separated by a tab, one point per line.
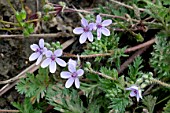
100	26
135	92
40	50
85	31
72	76
52	59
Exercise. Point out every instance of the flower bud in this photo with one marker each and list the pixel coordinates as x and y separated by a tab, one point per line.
143	85
139	80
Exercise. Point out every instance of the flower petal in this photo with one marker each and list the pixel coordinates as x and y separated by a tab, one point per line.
65	74
132	94
39	59
92	26
34	56
69	82
34	47
83	38
77	83
61	62
58	52
84	22
99	35
132	88
44	50
78	30
46	62
80	72
72	68
98	19
105	31
90	36
53	67
70	61
106	22
140	94
48	53
41	43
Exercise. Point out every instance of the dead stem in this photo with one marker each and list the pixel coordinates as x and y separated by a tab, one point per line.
9	111
109	54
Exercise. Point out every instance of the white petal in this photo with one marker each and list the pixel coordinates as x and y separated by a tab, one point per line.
65	74
44	50
132	88
72	68
34	56
53	67
69	82
41	43
70	61
80	72
84	22
140	94
46	62
99	34
58	52
106	22
61	62
78	30
105	31
132	94
83	38
34	47
48	53
98	19
77	83
39	59
90	36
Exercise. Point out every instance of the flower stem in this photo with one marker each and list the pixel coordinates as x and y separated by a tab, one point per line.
160	82
98	73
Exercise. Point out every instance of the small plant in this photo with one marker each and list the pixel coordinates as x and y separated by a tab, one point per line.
104	80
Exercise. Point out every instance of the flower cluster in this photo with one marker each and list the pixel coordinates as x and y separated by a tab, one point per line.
51	57
86	29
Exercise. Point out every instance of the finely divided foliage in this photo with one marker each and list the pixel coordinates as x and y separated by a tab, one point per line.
77	87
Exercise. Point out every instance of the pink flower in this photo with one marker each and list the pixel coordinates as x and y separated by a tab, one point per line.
100	26
85	31
52	59
40	50
72	75
135	92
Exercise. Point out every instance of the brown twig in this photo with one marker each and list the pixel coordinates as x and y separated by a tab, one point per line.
130	60
109	54
101	74
140	45
33	35
8	111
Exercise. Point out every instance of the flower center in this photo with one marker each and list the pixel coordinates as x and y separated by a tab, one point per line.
74	75
52	57
86	29
135	91
40	50
99	26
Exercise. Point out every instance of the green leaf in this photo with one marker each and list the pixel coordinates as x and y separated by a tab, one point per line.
26	107
23	14
34	86
150	102
119	104
167	108
18	16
